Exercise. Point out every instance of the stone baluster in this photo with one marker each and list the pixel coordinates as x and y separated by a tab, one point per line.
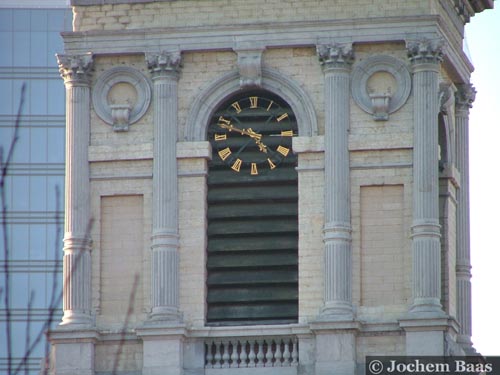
164	68
243	354
260	353
464	98
278	354
425	57
252	355
75	70
336	61
295	352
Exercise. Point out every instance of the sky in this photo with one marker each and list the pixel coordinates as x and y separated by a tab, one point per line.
483	39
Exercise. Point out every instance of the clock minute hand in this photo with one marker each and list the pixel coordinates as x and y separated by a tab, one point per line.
255	136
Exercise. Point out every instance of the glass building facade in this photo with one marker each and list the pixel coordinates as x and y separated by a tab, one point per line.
29	39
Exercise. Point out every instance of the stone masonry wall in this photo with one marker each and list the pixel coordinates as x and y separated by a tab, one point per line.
236	12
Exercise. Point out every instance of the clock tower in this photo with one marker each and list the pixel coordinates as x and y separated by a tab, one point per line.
257	187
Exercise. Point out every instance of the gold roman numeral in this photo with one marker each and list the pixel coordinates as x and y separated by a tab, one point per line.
282	117
236	106
237	165
224	153
283	150
223	120
221	137
287	133
253	101
253	169
271	164
269	106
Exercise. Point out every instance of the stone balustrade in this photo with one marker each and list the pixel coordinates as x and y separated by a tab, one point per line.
249	352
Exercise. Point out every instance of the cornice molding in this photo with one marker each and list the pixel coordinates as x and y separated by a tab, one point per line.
278	35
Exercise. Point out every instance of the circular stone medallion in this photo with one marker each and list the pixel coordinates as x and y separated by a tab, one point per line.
121	86
378	76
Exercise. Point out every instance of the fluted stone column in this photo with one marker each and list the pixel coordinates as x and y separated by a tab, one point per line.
164	69
463	102
425	57
336	61
75	70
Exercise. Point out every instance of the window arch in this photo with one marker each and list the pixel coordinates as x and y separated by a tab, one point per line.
225	86
252	214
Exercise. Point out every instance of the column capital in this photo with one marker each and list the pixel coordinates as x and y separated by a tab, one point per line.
75	68
425	51
335	56
465	96
164	64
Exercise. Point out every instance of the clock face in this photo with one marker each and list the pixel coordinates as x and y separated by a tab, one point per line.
253	133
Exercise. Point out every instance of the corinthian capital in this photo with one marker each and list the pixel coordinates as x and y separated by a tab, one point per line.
465	96
164	63
335	55
425	51
75	68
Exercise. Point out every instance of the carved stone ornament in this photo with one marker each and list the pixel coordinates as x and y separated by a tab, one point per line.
445	97
250	67
381	85
164	63
335	55
121	97
75	68
425	51
465	96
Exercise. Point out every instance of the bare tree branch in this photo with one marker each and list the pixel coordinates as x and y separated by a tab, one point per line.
57	301
130	311
4	170
28	327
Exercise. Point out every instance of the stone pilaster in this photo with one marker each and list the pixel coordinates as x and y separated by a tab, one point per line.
463	102
75	70
164	68
425	57
336	61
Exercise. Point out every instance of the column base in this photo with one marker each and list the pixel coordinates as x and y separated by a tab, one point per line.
75	318
336	311
165	314
428	307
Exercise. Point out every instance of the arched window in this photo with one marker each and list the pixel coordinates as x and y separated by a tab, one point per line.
252	273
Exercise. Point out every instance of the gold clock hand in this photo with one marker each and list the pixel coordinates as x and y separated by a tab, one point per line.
255	136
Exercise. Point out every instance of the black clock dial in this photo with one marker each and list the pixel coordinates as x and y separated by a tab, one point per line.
253	134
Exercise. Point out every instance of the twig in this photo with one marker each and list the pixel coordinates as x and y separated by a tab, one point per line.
53	295
28	328
4	170
56	303
130	311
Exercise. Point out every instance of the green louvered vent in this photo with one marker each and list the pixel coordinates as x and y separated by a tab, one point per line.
252	232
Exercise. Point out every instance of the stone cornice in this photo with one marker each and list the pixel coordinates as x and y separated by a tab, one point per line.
277	35
476	5
75	68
